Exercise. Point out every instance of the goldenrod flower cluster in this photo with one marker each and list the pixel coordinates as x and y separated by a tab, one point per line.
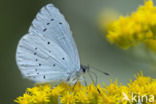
91	94
139	27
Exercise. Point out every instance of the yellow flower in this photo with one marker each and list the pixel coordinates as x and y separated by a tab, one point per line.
93	93
139	27
26	99
40	93
68	98
82	97
78	94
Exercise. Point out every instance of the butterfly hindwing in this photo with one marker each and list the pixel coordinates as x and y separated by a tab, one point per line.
41	59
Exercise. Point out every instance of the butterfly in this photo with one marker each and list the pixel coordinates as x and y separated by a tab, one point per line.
48	52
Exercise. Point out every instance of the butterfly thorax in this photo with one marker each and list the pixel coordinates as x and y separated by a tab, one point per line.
76	75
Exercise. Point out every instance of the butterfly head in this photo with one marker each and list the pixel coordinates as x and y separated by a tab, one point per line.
84	68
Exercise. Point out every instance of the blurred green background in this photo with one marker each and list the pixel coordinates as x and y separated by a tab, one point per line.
16	17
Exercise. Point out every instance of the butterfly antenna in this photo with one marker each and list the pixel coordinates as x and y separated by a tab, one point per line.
96	69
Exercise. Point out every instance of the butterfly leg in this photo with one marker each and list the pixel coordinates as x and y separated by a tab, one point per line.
85	81
57	83
91	77
96	78
95	82
74	84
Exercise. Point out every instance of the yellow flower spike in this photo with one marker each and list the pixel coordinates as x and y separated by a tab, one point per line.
149	4
68	98
66	86
26	99
41	98
54	94
60	89
77	87
82	97
128	31
65	93
112	88
40	93
93	93
103	97
142	86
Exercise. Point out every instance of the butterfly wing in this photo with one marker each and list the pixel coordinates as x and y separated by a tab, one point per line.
51	24
48	52
41	59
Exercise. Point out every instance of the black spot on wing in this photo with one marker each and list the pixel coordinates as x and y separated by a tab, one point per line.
48	43
44	29
44	76
52	19
54	65
48	23
35	53
39	64
60	23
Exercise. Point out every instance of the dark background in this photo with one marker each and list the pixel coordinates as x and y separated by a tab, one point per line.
16	17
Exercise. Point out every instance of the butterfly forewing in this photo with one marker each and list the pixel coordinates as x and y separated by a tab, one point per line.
51	24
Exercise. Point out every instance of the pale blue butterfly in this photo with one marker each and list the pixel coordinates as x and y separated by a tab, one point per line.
48	52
